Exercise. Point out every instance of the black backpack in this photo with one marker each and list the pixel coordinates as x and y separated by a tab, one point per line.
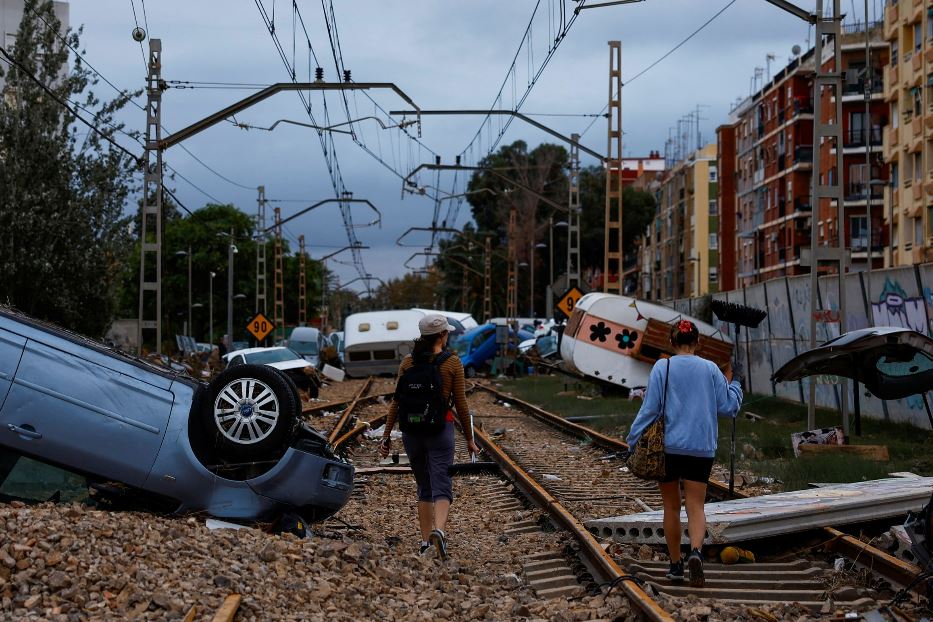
422	407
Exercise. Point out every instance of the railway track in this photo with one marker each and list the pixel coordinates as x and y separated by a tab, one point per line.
569	472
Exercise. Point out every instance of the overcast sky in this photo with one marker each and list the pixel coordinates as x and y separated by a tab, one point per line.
443	54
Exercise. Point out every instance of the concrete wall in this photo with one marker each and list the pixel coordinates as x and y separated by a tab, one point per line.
901	296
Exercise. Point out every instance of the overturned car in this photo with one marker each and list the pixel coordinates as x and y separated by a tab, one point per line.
233	448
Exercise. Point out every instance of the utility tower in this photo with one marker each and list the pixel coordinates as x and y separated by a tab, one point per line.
832	190
302	283
573	216
278	312
465	284
261	251
487	280
150	235
511	298
612	259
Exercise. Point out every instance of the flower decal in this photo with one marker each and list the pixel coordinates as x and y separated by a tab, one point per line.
627	339
599	332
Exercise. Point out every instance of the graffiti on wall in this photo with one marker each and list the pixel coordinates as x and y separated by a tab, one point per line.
895	308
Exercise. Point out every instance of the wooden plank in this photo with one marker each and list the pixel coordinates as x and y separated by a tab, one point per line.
189	617
879	453
228	610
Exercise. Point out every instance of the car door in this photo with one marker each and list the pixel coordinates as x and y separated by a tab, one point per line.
11	349
68	406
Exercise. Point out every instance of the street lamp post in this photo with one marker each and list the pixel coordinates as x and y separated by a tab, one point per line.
231	251
190	327
532	260
210	313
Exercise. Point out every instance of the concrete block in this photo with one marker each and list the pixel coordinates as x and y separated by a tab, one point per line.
740	520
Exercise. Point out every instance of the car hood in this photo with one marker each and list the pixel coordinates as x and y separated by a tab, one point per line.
287	365
892	363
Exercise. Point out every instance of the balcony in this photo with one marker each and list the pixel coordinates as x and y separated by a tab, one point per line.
802	205
780	115
890	80
889	138
857	137
916	63
928	54
890	22
916	192
803	105
858	191
857	87
803	154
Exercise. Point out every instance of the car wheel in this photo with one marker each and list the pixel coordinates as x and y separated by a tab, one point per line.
469	371
252	412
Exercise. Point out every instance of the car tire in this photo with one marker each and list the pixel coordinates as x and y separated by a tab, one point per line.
251	412
469	371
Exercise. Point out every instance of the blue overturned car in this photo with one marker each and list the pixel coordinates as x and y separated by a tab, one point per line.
477	346
131	430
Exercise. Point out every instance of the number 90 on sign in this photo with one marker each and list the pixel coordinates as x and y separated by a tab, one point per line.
568	301
260	327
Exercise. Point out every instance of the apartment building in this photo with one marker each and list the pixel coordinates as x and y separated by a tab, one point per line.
766	154
679	254
908	140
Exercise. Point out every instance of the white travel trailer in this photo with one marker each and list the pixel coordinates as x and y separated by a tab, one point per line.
617	339
375	342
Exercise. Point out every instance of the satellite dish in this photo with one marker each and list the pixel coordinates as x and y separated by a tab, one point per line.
796	50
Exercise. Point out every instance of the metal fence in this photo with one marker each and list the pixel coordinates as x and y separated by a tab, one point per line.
891	297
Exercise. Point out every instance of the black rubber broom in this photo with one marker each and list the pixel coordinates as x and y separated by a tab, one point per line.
739	316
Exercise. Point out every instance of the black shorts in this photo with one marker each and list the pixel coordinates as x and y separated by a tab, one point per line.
690	468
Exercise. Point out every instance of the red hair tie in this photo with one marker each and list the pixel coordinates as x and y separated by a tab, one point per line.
685	326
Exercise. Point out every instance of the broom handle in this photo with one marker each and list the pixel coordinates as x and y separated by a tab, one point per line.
735	364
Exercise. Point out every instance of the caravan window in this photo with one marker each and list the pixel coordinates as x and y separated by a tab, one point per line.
359	355
383	355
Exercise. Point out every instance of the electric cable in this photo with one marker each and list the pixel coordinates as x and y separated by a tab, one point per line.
658	61
142	51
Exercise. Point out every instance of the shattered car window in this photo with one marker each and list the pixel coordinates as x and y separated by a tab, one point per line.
272	356
32	480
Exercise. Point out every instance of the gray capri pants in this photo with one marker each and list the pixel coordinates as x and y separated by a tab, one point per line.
430	457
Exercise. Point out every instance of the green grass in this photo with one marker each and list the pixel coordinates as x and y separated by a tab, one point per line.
908	446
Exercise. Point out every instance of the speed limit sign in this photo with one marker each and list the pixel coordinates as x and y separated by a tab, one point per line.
260	327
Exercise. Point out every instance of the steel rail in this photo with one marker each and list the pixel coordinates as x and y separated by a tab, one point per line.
317	408
345	416
597	558
883	563
611	443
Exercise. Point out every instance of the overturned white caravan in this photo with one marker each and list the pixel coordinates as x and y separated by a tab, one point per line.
375	342
617	339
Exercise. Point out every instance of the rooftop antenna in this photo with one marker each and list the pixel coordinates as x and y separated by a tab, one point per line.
768	58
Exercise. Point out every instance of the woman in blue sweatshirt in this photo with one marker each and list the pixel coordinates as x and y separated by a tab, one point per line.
696	393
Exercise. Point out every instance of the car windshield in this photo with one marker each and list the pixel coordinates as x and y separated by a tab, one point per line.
305	347
461	347
277	355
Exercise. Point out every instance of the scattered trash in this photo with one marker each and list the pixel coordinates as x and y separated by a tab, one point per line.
752	416
213	523
636	393
735	555
823	436
551	478
839	564
337	375
376	433
584	397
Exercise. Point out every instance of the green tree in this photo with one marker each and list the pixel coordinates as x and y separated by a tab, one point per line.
206	232
63	236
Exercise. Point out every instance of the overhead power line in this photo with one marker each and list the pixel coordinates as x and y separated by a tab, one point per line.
662	57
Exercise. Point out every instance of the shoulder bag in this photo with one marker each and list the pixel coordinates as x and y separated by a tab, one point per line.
647	461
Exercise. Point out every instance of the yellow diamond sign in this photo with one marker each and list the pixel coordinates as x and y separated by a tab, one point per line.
260	327
568	302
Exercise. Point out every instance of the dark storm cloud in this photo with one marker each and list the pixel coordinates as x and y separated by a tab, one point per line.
444	54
